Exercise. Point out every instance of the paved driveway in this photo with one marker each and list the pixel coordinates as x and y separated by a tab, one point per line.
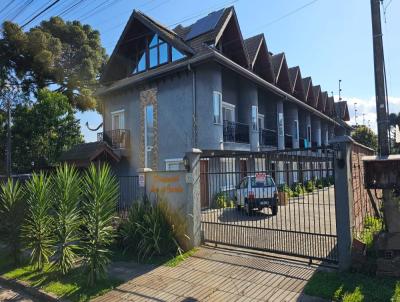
219	275
306	226
12	296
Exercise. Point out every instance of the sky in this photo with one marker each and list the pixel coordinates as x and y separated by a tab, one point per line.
328	39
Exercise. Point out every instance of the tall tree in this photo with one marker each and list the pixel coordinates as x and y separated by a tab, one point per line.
42	131
62	56
364	135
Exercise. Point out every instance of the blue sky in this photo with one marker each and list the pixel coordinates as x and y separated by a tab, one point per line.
328	39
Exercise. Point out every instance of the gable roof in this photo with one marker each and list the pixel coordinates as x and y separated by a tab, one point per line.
308	90
260	58
322	103
83	154
297	83
317	95
203	25
133	33
342	111
281	71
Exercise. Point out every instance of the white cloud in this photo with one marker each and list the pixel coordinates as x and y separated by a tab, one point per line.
367	107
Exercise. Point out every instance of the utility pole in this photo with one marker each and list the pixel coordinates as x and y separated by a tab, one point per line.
355	113
381	98
364	119
340	90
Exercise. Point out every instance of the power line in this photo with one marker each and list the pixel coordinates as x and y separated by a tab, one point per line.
40	13
71	8
6	6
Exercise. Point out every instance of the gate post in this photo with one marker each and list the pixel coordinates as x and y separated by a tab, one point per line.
344	199
192	163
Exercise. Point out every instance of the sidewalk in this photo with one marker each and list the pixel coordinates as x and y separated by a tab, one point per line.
10	295
219	275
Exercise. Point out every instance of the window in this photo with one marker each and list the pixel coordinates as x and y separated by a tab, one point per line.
309	133
217	107
149	135
261	121
175	164
157	52
254	118
296	129
228	112
176	54
117	120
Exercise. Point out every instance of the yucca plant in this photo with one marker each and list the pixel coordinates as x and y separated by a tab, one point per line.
12	212
100	194
66	197
37	230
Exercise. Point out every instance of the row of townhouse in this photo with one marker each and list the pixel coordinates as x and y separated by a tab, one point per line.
203	86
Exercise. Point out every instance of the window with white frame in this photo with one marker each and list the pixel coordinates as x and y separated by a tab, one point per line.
217	107
228	112
254	118
281	126
118	120
174	164
228	169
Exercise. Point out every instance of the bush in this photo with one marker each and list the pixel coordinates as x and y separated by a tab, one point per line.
38	227
153	230
221	201
297	189
68	220
100	194
372	226
12	213
319	183
355	296
310	186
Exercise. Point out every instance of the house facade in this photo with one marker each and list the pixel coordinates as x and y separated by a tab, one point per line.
166	91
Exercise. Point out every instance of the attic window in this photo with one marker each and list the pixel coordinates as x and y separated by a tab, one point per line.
157	52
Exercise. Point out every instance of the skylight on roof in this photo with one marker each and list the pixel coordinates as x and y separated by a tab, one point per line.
204	25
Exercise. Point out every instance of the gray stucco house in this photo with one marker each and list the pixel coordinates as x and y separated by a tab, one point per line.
203	86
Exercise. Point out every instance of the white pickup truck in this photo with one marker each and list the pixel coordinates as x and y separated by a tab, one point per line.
257	192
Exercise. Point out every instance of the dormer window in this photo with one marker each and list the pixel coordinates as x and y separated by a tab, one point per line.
157	52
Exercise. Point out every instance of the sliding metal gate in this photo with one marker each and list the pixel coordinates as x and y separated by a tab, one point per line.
305	222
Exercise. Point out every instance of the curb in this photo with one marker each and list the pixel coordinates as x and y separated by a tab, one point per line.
24	287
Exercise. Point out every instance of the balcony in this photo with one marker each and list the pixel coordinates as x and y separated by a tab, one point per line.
268	137
236	132
117	139
288	141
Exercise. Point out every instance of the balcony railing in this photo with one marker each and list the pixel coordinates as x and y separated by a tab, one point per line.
236	132
117	139
268	137
288	141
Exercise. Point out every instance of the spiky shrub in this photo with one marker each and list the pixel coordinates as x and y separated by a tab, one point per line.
12	210
37	230
153	230
100	194
66	192
310	186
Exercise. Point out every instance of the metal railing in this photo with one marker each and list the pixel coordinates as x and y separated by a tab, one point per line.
288	141
118	139
236	132
268	137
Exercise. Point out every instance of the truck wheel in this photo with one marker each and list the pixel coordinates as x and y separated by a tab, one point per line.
274	210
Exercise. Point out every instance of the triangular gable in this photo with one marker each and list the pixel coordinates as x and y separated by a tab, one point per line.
133	38
323	100
281	71
317	95
260	59
330	106
308	90
342	111
229	39
297	83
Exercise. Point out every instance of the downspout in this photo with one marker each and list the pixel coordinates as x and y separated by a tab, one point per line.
194	104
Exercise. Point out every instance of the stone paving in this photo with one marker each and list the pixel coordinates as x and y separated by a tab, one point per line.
215	274
12	296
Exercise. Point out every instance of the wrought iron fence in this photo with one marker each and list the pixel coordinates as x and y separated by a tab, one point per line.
119	138
278	201
129	192
236	132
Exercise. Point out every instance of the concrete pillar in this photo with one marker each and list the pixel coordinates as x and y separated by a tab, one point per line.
344	199
324	133
248	99
316	130
280	125
308	126
193	209
292	118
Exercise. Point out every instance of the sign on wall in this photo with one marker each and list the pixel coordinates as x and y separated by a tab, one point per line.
142	181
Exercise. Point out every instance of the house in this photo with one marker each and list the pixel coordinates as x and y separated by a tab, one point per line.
165	91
